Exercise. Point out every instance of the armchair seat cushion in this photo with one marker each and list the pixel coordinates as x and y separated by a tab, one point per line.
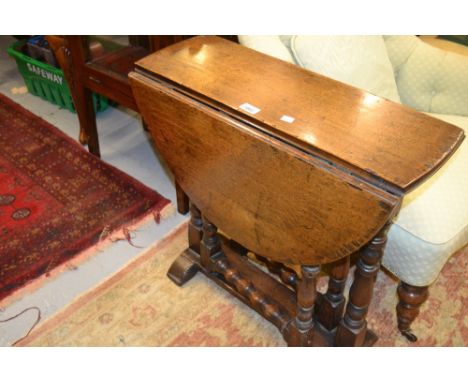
433	221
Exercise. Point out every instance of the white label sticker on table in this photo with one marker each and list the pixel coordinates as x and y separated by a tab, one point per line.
287	118
249	108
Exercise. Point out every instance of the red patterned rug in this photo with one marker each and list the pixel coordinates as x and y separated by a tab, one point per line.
56	199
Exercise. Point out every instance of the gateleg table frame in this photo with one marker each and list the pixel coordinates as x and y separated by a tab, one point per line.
291	194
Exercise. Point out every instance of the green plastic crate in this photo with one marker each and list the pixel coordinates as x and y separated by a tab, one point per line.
46	81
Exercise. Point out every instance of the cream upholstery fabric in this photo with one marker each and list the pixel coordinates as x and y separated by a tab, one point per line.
433	221
415	261
428	78
438	209
360	61
286	40
271	45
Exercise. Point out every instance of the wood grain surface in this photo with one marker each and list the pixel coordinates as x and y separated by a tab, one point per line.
270	197
376	138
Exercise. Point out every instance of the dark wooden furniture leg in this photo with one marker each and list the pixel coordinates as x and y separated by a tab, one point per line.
184	268
330	306
71	54
83	99
410	300
195	229
210	244
183	204
301	333
352	329
291	305
82	96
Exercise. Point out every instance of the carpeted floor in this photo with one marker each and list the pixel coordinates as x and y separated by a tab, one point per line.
57	200
140	306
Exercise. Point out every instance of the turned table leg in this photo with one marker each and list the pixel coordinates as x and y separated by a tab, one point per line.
195	228
410	300
330	306
210	244
306	295
352	329
302	333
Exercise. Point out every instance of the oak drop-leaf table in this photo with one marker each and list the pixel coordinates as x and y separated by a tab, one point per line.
288	168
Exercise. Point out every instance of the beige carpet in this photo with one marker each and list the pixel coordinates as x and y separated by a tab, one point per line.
140	306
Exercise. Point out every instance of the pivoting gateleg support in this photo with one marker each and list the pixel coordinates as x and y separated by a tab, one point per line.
301	331
330	306
352	329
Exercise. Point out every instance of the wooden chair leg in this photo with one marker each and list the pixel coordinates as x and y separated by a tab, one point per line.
74	53
352	329
410	300
83	99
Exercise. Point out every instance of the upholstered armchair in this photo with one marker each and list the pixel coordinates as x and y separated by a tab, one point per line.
433	221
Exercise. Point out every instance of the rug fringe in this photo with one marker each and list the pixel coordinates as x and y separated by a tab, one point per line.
105	283
127	236
105	232
105	239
